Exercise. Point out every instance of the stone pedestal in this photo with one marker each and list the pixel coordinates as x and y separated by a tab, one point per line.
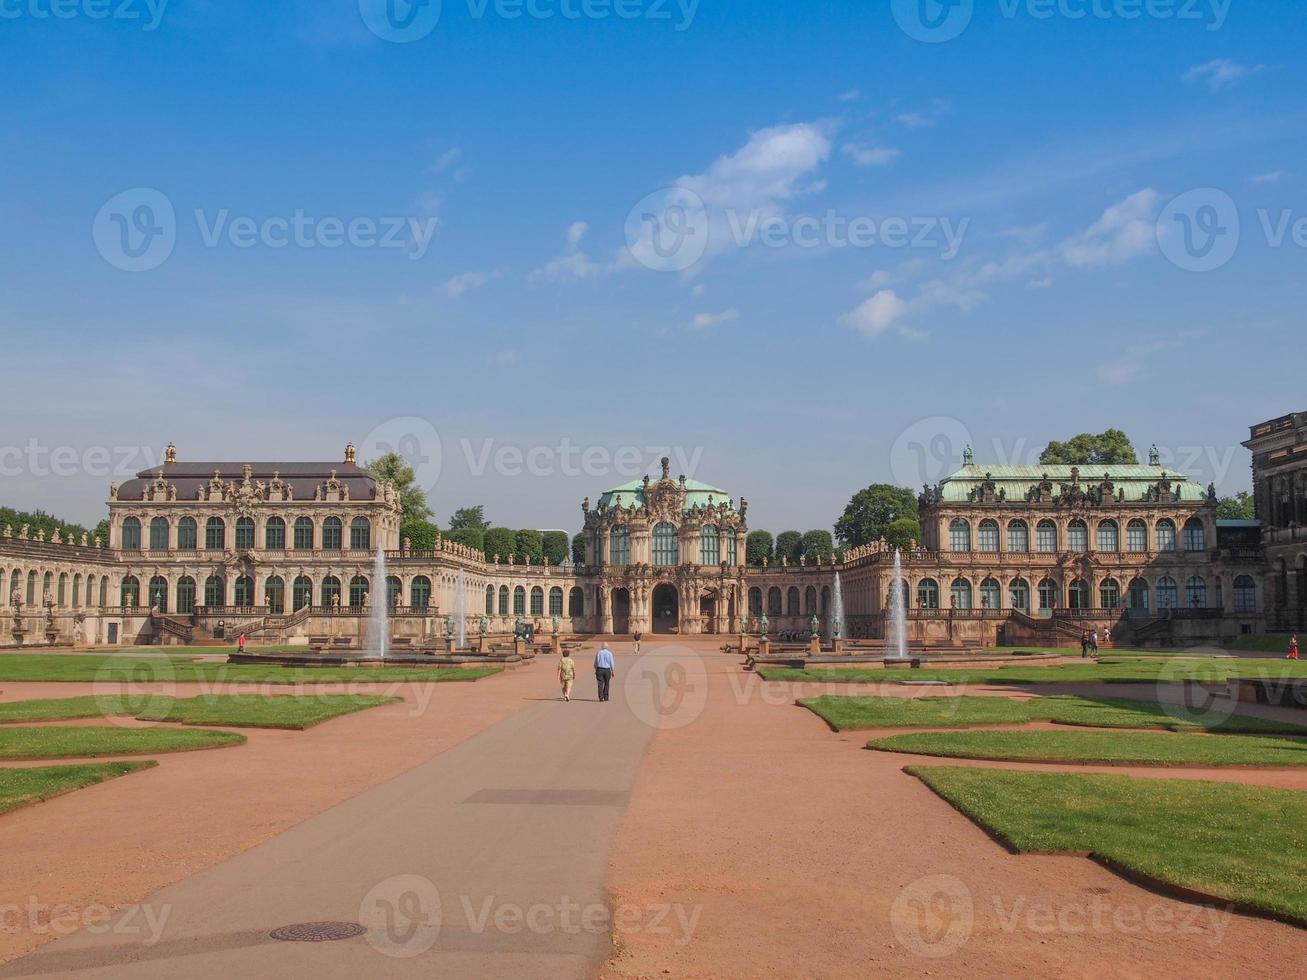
556	645
837	646
814	645
764	645
744	643
519	646
451	644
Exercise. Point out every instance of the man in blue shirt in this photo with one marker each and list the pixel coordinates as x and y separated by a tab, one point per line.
604	670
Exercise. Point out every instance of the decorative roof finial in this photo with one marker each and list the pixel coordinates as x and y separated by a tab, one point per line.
667	467
1154	457
349	454
968	457
170	455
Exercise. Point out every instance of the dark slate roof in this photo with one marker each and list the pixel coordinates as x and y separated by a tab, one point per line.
305	478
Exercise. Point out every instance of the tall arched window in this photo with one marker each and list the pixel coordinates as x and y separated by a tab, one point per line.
77	589
1195	592
244	534
710	545
104	591
358	591
330	590
961	594
1109	594
188	535
360	534
519	601
186	595
928	594
490	600
394	591
419	594
1019	591
503	600
1165	536
619	545
1136	536
792	601
1018	537
576	601
810	601
1195	535
1049	595
773	601
274	534
537	601
1167	594
959	535
31	588
987	538
215	534
730	548
332	534
1109	537
301	593
62	594
274	594
159	593
244	591
1077	536
215	591
1245	594
131	591
755	601
131	534
901	586
303	534
1138	595
159	534
991	595
1046	537
1079	594
555	601
666	549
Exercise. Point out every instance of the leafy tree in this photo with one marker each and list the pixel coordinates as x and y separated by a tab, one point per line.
1240	507
469	518
412	498
101	531
421	533
789	545
555	544
39	520
1105	449
872	511
578	548
501	541
473	537
757	546
901	533
530	544
817	546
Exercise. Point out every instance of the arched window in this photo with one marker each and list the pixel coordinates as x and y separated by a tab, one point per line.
1165	536
555	601
901	586
186	595
537	601
666	549
1138	594
1046	537
1168	596
1195	592
1195	535
215	534
332	534
1245	594
301	593
419	594
77	589
104	591
131	591
274	534
62	594
31	588
1079	593
394	591
576	601
773	601
928	594
274	594
15	583
490	600
188	534
159	593
987	538
360	534
47	586
503	600
1049	595
519	601
330	590
1077	536
810	601
991	595
1019	591
244	591
1109	594
755	601
215	591
131	534
1018	537
825	599
710	546
1109	537
959	535
792	601
961	594
619	545
159	534
730	548
358	591
1136	536
244	534
303	534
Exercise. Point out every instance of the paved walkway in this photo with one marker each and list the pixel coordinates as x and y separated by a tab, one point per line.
486	861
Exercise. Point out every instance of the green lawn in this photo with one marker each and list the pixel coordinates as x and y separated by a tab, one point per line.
1242	844
90	742
1102	748
19	787
234	710
143	667
850	712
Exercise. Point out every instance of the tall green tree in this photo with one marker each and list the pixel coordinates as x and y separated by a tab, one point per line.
578	548
501	541
473	537
1105	449
555	545
1240	507
420	534
469	518
757	546
817	546
789	545
530	544
39	520
901	533
873	511
412	498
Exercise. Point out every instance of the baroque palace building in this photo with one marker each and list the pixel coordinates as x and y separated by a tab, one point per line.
289	552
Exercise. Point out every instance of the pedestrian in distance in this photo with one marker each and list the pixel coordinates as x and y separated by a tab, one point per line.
638	637
1084	645
566	674
240	644
1293	647
604	670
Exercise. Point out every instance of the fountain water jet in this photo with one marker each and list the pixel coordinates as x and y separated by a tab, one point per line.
460	609
379	616
837	609
898	612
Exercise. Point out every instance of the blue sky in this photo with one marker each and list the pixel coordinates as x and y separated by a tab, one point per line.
1044	167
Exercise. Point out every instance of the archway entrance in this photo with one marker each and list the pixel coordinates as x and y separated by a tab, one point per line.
708	611
666	609
621	611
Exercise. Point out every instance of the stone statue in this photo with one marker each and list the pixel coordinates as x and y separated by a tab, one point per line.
484	626
763	623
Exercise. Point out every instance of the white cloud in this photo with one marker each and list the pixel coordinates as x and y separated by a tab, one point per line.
1117	373
925	118
575	232
871	156
468	281
1274	177
573	263
1220	73
1126	229
877	314
699	289
851	95
704	320
447	160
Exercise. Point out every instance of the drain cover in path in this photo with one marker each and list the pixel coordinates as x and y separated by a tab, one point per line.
317	932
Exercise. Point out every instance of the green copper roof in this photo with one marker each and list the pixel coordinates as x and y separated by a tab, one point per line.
697	494
1018	480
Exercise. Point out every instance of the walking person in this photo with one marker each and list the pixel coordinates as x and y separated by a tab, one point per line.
240	644
1084	645
638	637
566	674
1293	647
1093	643
604	670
